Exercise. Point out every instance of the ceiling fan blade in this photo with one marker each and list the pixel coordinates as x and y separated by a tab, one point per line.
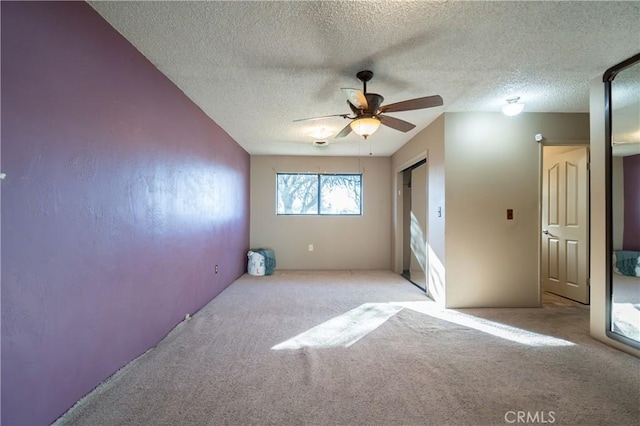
396	123
322	117
418	103
356	97
344	132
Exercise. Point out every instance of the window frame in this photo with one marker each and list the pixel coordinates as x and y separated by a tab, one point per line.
319	194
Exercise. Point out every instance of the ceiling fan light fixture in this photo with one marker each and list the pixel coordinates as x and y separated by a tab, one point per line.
365	126
513	107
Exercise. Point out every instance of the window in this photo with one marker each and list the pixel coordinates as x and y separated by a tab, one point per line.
319	194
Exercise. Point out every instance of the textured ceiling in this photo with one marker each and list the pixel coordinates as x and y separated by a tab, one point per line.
254	67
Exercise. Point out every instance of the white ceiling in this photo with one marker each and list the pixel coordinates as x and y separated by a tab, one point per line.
254	67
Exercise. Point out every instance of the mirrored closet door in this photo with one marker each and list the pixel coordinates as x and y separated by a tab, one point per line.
622	94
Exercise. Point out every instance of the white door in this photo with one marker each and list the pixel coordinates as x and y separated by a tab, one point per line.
565	225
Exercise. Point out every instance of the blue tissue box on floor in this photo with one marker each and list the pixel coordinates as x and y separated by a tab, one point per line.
261	262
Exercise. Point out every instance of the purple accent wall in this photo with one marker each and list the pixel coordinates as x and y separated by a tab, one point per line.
120	197
631	177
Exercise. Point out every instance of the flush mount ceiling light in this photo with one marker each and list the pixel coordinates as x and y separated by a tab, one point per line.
321	133
513	107
365	126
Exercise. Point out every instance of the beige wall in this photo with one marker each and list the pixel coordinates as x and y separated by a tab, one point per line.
340	242
550	151
598	219
429	143
493	164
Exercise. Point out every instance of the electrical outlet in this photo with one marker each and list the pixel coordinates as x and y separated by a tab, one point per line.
216	269
310	247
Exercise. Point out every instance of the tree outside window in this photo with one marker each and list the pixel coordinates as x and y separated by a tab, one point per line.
319	194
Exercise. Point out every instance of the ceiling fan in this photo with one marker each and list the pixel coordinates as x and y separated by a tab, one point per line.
367	111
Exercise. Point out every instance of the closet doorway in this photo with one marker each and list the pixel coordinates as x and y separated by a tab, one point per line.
414	224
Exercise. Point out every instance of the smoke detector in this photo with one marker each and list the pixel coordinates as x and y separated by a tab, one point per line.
321	143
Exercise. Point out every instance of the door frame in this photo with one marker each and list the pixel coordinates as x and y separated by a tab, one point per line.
549	143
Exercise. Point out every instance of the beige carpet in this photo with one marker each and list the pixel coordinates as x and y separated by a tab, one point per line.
367	348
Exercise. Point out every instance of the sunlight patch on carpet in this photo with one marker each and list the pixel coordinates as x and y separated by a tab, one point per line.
626	320
497	329
346	329
343	330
